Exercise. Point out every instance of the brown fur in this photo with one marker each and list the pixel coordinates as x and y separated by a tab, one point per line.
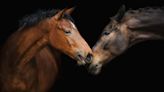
124	30
20	75
27	63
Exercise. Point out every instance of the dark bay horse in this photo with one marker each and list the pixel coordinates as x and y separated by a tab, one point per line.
27	61
124	30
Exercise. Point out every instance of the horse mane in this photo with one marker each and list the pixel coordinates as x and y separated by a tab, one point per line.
35	18
144	17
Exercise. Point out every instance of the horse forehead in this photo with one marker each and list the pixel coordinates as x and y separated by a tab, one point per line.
73	25
114	27
67	24
110	27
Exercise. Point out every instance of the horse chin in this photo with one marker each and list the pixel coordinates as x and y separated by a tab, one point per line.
95	70
81	62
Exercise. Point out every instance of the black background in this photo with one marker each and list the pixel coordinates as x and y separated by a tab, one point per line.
139	68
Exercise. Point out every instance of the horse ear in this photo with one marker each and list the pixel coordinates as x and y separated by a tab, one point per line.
70	10
120	14
60	14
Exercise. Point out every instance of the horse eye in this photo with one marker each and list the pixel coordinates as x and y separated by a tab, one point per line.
106	33
67	31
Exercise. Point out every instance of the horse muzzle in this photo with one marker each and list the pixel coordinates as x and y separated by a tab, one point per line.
81	60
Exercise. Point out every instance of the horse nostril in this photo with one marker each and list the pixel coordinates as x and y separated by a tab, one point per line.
96	65
89	57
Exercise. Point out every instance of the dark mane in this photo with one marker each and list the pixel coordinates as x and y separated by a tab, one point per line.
144	17
40	15
147	10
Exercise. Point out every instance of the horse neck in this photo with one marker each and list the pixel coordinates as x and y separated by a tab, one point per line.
32	51
153	30
145	24
25	44
138	36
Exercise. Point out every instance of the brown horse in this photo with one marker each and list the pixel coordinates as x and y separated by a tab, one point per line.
27	61
124	30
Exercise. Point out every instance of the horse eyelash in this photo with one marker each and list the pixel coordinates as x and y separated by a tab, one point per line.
105	33
67	31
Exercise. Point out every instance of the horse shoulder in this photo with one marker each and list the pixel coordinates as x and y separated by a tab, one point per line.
47	66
